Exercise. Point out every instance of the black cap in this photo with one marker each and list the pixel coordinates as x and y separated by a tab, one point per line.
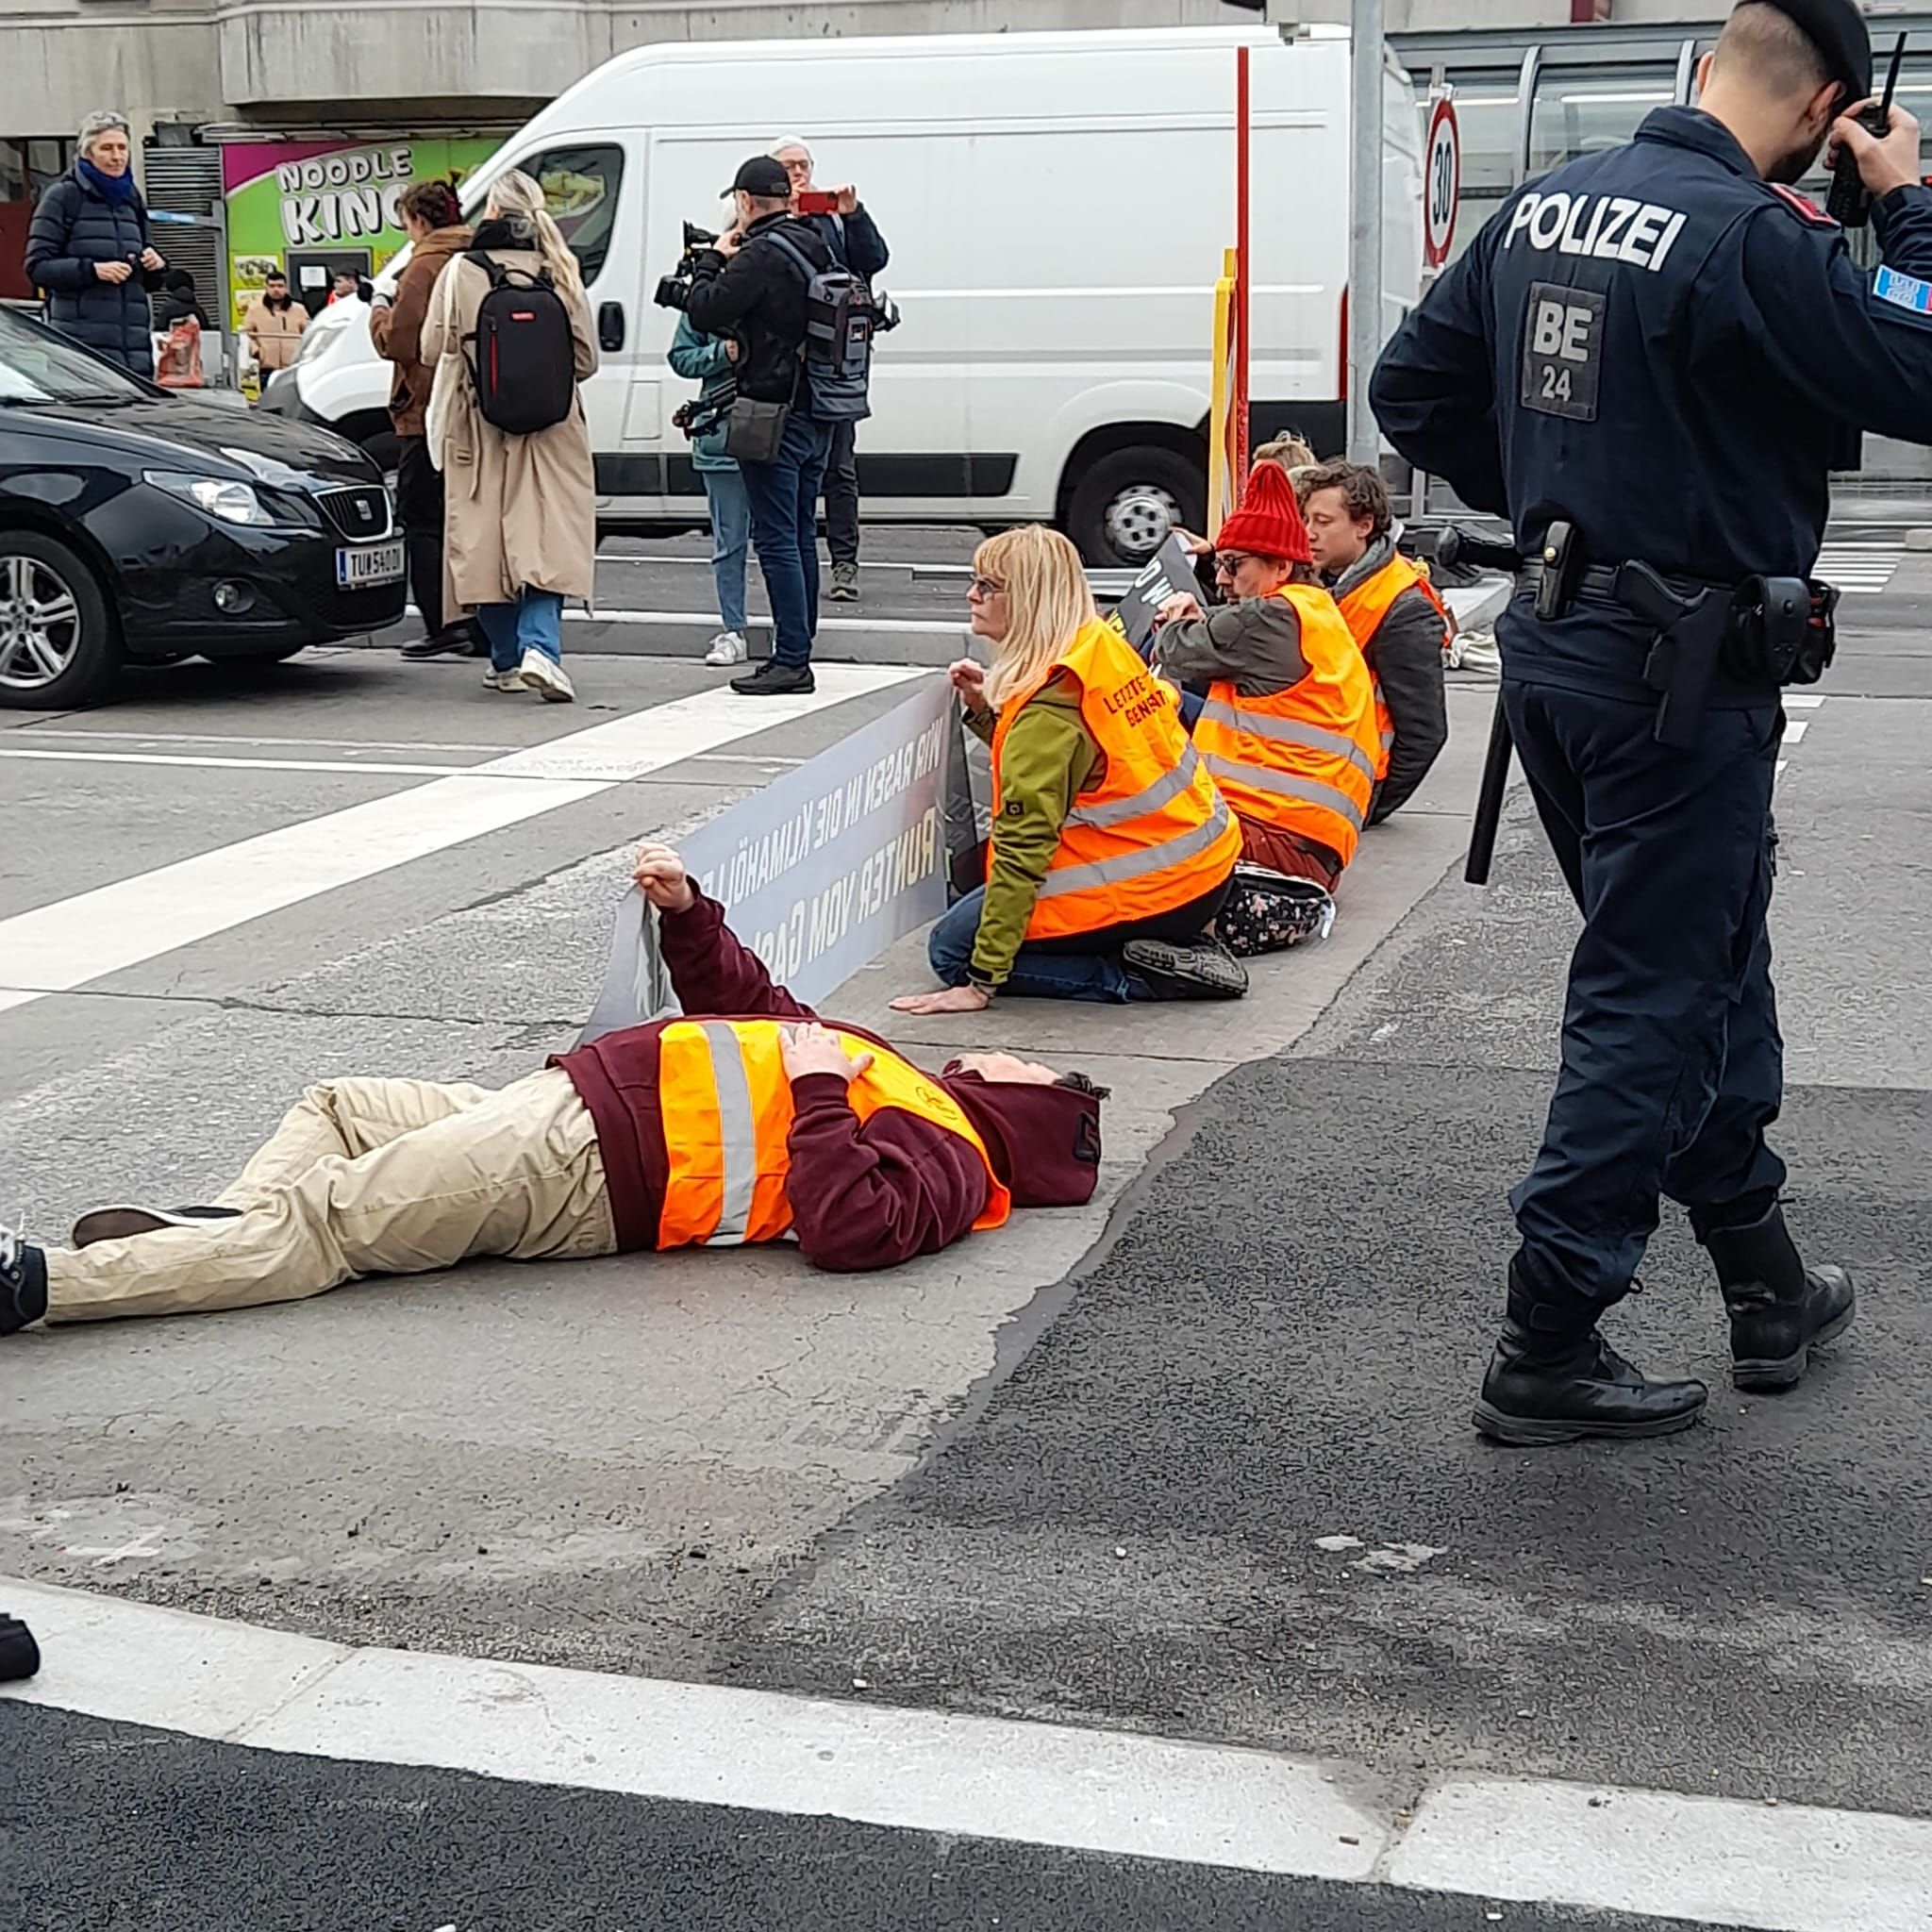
1837	31
763	177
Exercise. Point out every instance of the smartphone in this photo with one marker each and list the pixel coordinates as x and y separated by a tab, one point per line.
817	201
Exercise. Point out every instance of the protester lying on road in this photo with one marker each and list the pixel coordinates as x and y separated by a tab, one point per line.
1111	851
1394	615
695	1130
1287	722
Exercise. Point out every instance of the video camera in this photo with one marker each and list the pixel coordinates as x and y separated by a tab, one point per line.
673	290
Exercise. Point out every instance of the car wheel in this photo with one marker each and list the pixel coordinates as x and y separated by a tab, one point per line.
1129	500
58	644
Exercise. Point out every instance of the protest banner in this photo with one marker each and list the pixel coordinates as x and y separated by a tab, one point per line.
1169	572
818	873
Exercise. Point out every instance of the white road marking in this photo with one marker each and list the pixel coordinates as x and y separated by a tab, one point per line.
1859	569
34	733
160	758
55	948
1795	729
908	626
1796	1867
1805	704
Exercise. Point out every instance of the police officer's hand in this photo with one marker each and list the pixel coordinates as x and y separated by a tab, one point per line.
810	1049
1884	162
659	871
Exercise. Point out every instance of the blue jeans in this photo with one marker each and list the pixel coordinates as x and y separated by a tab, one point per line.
1192	702
1040	972
730	537
784	525
533	622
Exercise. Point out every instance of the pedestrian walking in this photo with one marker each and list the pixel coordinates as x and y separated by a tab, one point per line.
711	361
1647	362
852	236
88	248
1111	850
434	224
520	528
758	284
273	323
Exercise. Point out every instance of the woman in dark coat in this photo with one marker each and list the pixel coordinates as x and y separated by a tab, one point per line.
88	248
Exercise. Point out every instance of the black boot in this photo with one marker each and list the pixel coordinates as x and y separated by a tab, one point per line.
1555	1380
1780	1311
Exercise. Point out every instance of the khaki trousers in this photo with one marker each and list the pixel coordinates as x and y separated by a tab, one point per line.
367	1177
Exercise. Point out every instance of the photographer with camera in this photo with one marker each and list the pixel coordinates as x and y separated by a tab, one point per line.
766	279
856	242
712	361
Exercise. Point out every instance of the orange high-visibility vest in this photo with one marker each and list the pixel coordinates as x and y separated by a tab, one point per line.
1302	760
1153	834
727	1109
1363	610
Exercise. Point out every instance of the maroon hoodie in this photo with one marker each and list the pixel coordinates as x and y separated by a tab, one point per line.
864	1196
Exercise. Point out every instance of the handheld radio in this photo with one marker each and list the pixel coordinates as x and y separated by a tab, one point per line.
1848	204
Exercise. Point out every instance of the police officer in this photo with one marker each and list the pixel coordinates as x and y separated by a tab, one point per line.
1660	347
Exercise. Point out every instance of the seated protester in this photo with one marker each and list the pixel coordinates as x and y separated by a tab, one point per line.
1394	614
1290	452
619	1145
1111	851
1288	723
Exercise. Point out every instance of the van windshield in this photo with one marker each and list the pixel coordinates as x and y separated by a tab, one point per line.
579	186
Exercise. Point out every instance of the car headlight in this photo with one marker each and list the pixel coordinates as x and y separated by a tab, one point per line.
226	501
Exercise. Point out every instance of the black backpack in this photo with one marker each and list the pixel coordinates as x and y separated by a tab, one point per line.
839	316
522	354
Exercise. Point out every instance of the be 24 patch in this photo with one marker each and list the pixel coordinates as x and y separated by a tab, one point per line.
1562	350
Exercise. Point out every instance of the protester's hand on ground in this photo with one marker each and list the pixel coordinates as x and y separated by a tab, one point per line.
151	261
660	872
847	199
112	271
968	677
1179	608
810	1049
950	999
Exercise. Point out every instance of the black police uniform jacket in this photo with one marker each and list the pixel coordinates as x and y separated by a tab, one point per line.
1667	348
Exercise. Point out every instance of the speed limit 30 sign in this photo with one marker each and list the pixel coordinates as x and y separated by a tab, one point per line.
1442	183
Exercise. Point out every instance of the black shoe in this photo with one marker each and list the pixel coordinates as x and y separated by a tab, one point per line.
20	1656
118	1224
1555	1380
452	640
773	679
1200	969
23	1282
1780	1310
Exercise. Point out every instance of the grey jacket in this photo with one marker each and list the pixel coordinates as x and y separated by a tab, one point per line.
1405	654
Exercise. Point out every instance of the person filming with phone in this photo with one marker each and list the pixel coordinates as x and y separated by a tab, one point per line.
755	283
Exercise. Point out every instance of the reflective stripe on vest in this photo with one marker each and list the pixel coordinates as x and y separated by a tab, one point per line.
1152	834
727	1109
1363	610
1303	760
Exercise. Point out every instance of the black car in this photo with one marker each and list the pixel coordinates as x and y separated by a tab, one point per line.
139	526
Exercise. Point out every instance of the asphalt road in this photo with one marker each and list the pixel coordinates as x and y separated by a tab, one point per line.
1195	1463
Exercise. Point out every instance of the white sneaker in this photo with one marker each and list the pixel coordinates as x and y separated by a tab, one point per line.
727	647
503	680
546	677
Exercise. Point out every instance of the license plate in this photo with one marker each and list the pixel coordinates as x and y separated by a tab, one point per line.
369	563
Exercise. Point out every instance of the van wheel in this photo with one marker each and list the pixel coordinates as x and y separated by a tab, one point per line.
1127	501
58	644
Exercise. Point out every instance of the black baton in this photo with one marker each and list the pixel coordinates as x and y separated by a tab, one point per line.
1489	798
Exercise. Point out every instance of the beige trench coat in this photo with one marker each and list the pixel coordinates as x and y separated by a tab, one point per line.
520	510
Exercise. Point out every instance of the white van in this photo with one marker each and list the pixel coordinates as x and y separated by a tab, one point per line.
1057	206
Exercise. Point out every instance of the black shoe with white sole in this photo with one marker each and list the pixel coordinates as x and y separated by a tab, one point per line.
119	1223
23	1282
1200	969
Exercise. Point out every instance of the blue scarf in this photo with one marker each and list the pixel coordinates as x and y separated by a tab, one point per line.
117	190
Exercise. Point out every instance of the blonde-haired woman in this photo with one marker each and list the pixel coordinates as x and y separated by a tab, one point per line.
520	523
1111	850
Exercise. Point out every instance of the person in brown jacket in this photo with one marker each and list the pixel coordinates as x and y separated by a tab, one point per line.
520	534
434	225
274	325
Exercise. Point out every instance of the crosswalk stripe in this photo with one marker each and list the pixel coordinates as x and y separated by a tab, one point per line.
72	942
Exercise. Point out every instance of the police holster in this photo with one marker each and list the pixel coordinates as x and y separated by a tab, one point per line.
1690	646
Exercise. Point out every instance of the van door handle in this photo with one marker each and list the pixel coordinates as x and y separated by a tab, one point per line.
611	326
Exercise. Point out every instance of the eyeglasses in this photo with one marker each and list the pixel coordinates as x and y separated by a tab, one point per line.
984	587
1228	562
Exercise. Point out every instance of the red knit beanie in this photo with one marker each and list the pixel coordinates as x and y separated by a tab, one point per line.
1268	522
